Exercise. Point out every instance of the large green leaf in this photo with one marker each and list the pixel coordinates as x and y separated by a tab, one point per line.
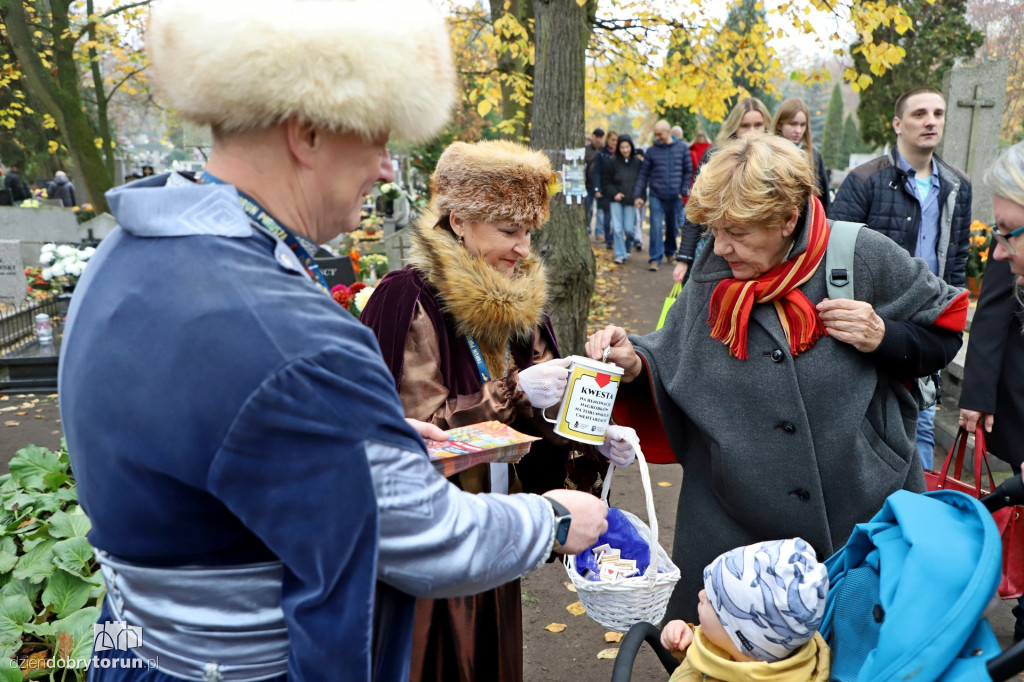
30	466
30	590
65	593
73	555
9	670
79	626
19	501
14	611
8	554
36	564
64	525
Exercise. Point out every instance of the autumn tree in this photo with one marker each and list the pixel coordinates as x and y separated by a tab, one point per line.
941	35
742	16
852	144
1003	24
832	139
72	59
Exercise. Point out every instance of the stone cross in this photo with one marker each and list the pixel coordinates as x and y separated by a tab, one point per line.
975	98
12	273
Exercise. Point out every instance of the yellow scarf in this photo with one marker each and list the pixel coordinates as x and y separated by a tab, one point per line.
810	663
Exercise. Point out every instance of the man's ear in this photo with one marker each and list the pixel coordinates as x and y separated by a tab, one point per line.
896	124
304	140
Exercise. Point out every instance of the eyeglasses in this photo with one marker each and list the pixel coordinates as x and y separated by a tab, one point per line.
1004	239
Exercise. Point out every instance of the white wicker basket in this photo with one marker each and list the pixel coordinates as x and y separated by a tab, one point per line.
620	605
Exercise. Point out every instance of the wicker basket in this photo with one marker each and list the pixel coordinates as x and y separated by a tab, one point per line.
620	605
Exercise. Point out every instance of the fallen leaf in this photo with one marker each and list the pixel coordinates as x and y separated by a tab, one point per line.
576	609
664	484
12	408
39	416
569	586
5	397
613	637
608	654
21	414
11	423
556	627
65	644
52	395
36	661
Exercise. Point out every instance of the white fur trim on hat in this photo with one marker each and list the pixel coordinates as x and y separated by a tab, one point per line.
769	596
362	66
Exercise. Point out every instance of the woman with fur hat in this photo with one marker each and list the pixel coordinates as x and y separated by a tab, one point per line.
465	334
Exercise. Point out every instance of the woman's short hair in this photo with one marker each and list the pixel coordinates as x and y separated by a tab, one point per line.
755	181
732	122
1006	176
785	113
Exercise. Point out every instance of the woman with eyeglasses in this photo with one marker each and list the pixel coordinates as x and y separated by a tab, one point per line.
993	388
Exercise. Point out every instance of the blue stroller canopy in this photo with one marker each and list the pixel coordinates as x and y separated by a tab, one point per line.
908	590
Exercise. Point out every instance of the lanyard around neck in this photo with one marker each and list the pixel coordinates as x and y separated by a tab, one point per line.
263	219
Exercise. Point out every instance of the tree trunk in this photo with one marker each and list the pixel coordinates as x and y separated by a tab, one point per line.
61	96
560	41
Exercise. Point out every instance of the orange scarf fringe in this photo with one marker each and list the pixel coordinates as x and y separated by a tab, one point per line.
733	299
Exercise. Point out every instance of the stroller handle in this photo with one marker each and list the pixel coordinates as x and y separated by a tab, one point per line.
1010	492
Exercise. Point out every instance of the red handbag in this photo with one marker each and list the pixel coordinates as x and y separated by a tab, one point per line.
1011	526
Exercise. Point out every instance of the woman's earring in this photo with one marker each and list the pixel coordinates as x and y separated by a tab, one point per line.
460	241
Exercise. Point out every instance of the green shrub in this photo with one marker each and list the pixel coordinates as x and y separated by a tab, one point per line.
50	584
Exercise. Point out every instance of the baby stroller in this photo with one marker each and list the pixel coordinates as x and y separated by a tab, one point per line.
882	622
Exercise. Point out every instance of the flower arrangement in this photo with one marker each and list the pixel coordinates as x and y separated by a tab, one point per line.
372	267
61	267
390	191
84	213
355	257
977	254
352	298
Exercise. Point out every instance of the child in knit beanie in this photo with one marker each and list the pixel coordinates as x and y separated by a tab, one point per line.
759	612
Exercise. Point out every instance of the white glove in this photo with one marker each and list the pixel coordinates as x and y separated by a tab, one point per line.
544	384
617	446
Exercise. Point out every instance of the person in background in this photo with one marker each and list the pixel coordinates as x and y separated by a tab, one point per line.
919	201
641	211
593	147
666	170
625	169
753	330
749	115
602	173
793	122
62	188
464	332
14	183
699	145
993	389
267	512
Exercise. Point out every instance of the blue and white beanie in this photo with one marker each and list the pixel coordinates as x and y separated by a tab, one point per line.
770	596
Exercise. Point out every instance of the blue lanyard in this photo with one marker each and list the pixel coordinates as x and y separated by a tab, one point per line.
268	222
485	374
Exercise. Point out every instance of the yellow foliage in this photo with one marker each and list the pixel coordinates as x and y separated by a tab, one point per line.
53	146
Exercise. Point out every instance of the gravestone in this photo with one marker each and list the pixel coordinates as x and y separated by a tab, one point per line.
975	98
12	273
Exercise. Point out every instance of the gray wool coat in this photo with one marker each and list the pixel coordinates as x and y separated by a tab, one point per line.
778	446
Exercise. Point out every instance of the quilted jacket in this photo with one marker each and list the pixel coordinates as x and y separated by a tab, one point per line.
876	193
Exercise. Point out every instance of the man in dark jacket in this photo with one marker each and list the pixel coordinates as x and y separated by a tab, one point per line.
593	148
917	200
666	168
601	174
17	187
62	188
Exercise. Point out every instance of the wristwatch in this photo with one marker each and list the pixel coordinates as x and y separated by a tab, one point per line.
563	518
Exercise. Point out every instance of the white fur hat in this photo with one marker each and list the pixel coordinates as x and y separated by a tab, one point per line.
362	66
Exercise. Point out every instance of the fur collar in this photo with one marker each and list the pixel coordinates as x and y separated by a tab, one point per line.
494	309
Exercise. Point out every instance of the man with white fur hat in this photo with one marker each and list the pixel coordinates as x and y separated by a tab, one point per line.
759	612
260	508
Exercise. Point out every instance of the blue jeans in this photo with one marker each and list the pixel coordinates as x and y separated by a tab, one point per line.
926	436
663	243
588	207
623	218
604	223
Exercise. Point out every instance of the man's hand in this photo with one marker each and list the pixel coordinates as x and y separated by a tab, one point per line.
427	431
597	194
638	202
589	519
852	322
676	635
969	420
680	270
622	352
618	197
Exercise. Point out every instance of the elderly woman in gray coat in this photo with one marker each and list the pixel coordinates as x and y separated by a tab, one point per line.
789	412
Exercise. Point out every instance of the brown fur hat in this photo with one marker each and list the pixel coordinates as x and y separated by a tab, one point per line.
494	180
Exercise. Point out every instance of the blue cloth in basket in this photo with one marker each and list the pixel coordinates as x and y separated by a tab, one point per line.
621	535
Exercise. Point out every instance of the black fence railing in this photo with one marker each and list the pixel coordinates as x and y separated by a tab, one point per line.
17	323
